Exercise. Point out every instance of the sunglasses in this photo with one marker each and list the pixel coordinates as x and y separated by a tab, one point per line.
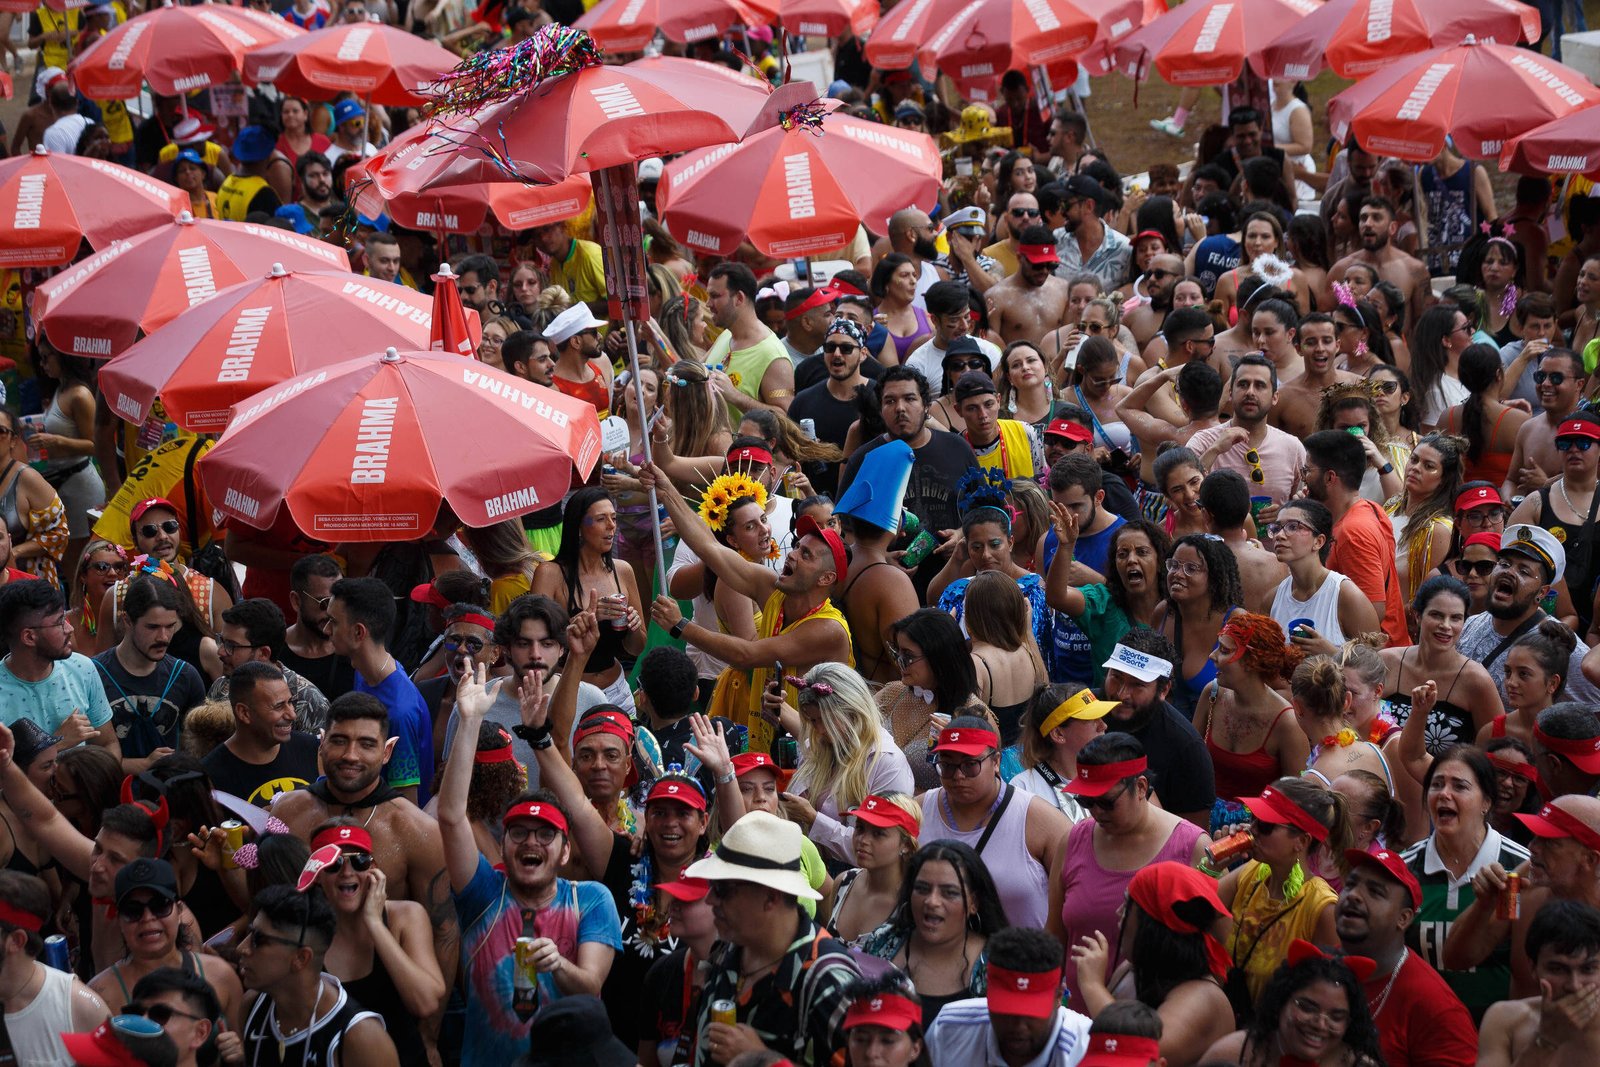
969	364
1157	275
1107	800
967	768
1387	386
471	644
1567	444
845	347
1103	383
160	1014
1481	567
359	862
1554	377
101	566
150	529
1092	327
905	659
134	910
1257	475
257	938
1024	212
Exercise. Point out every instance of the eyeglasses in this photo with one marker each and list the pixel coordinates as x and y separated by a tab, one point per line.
359	862
1024	212
1257	475
1287	526
1157	275
228	648
1107	800
1481	567
967	768
845	347
906	659
1188	570
1387	386
1483	518
160	1014
254	936
100	566
63	624
1554	377
542	832
1567	444
1311	1010
1465	327
134	910
473	645
150	529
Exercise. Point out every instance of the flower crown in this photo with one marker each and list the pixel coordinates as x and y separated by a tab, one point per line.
982	487
1366	389
723	491
155	567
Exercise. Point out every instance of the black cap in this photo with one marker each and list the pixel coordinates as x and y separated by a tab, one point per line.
1082	187
973	383
142	873
575	1032
965	345
30	739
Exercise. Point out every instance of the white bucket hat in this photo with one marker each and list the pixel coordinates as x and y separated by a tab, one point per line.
759	848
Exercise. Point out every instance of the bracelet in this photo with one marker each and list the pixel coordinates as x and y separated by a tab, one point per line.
537	737
726	778
676	629
1387	468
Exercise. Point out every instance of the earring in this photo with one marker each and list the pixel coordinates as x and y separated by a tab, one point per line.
1361	348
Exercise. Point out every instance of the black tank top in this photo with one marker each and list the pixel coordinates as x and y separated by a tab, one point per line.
316	1046
609	644
376	992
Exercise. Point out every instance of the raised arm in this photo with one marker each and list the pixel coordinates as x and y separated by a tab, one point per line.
1135	409
59	837
473	700
752	579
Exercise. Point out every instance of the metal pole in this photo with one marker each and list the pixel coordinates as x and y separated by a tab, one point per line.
644	436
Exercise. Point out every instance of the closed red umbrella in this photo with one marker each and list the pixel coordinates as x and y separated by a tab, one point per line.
368	449
1206	42
256	334
52	204
827	18
629	25
797	191
99	306
1479	95
1356	37
380	63
986	38
450	331
176	50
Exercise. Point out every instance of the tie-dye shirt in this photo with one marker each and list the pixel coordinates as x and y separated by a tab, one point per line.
491	921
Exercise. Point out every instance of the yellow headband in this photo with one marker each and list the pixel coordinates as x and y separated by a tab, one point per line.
1070	708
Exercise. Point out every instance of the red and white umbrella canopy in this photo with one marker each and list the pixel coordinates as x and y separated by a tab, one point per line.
1564	146
1480	95
893	45
256	334
98	307
472	208
51	204
629	25
1206	42
827	18
795	192
368	449
176	50
387	65
1356	37
986	38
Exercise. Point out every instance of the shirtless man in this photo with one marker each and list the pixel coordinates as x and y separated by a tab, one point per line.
1188	334
406	843
1033	301
1274	328
1239	338
1377	227
59	100
1198	392
1561	1026
1165	272
1225	499
1534	459
1299	398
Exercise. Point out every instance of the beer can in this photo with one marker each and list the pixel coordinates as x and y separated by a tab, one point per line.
55	953
620	622
524	979
1224	852
1510	906
725	1012
786	752
233	840
524	957
809	428
910	525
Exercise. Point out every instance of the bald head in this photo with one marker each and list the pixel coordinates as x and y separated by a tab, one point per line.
1585	809
911	233
1162	278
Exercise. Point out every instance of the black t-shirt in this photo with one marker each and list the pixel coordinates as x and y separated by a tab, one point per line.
640	949
833	418
666	1002
331	674
147	712
931	492
295	767
1184	779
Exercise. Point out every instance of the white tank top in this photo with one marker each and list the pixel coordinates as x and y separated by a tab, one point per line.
1022	881
1322	609
36	1030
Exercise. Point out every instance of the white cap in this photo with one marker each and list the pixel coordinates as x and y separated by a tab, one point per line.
1538	543
570	323
650	169
46	77
1136	664
967	216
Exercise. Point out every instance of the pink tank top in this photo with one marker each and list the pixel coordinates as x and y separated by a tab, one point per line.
1093	894
1022	881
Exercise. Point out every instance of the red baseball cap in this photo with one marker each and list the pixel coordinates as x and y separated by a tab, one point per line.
679	790
1391	864
1039	255
1554	821
688	890
841	560
1072	431
745	762
1035	994
967	741
888	1010
345	837
136	512
1478	497
885	814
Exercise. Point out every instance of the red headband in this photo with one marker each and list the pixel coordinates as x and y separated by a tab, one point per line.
1106	1048
889	1010
475	619
843	288
17	917
1157	887
545	813
966	740
605	723
817	299
1360	966
495	755
1280	809
750	454
351	836
1516	767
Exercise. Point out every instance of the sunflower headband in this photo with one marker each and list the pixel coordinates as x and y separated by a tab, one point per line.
720	495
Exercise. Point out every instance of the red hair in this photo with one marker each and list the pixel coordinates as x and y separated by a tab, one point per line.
1266	651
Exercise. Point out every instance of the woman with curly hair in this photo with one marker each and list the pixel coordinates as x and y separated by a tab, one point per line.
691	440
1314	1011
1249	731
1203	590
1135	586
1422	513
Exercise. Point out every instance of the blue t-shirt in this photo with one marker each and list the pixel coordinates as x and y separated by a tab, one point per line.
491	921
73	685
411	727
1213	257
1072	659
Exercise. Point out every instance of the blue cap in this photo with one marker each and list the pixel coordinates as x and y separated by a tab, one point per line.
381	223
839	88
877	495
345	110
189	155
253	144
296	214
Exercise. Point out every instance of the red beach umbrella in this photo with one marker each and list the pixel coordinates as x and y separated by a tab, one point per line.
827	18
1356	37
893	45
176	50
1206	42
54	203
369	449
629	25
986	38
381	63
1562	146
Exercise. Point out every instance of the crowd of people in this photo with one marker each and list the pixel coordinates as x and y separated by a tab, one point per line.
1124	615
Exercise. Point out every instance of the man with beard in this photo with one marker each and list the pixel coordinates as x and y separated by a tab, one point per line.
1161	281
1318	340
466	640
253	631
1032	302
265	755
1567	506
1022	211
573	925
1363	536
1080	538
1420	1020
1530	561
911	234
1187	336
1361	168
1377	227
1084	242
1020	1020
950	316
149	691
406	844
941	459
1269	459
42	678
316	182
581	371
383	258
832	405
1559	1026
807	314
528	355
1560	383
1139	677
308	651
751	368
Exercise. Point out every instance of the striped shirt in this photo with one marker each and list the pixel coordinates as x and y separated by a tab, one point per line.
962	1035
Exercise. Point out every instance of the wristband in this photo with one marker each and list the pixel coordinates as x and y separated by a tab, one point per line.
676	629
726	778
537	737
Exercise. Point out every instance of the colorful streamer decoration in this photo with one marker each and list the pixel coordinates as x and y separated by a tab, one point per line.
501	74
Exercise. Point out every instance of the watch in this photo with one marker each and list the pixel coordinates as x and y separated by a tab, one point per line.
1387	468
537	737
677	629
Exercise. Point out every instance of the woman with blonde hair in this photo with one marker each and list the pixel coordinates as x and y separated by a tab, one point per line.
1058	724
100	565
506	558
683	328
845	754
882	842
1005	656
691	440
494	334
1322	708
1424	512
1029	523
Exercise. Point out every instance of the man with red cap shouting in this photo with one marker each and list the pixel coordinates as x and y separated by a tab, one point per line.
1021	1021
1033	301
799	626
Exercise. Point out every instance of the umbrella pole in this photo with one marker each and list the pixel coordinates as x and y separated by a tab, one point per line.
644	440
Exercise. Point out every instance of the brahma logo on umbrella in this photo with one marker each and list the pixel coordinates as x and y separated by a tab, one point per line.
354	43
1421	93
30	202
242	342
223	26
616	101
1211	29
797	183
199	283
1380	21
373	439
119	58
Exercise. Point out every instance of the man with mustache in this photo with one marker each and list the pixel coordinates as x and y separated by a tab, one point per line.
1031	301
149	691
309	652
1377	227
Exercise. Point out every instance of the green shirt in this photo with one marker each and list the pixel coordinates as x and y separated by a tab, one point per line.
1104	622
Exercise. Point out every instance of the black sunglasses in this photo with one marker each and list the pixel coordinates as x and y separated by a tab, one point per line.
846	347
473	645
160	1014
1554	377
359	861
1481	567
134	910
150	529
1024	212
1107	800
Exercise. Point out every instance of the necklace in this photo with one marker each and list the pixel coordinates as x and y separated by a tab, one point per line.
1561	486
1383	998
310	1022
950	814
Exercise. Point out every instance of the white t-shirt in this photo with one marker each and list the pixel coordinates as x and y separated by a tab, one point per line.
1441	398
928	358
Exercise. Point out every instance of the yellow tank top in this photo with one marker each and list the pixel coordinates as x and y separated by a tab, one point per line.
1014	457
770	624
233	199
56	53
